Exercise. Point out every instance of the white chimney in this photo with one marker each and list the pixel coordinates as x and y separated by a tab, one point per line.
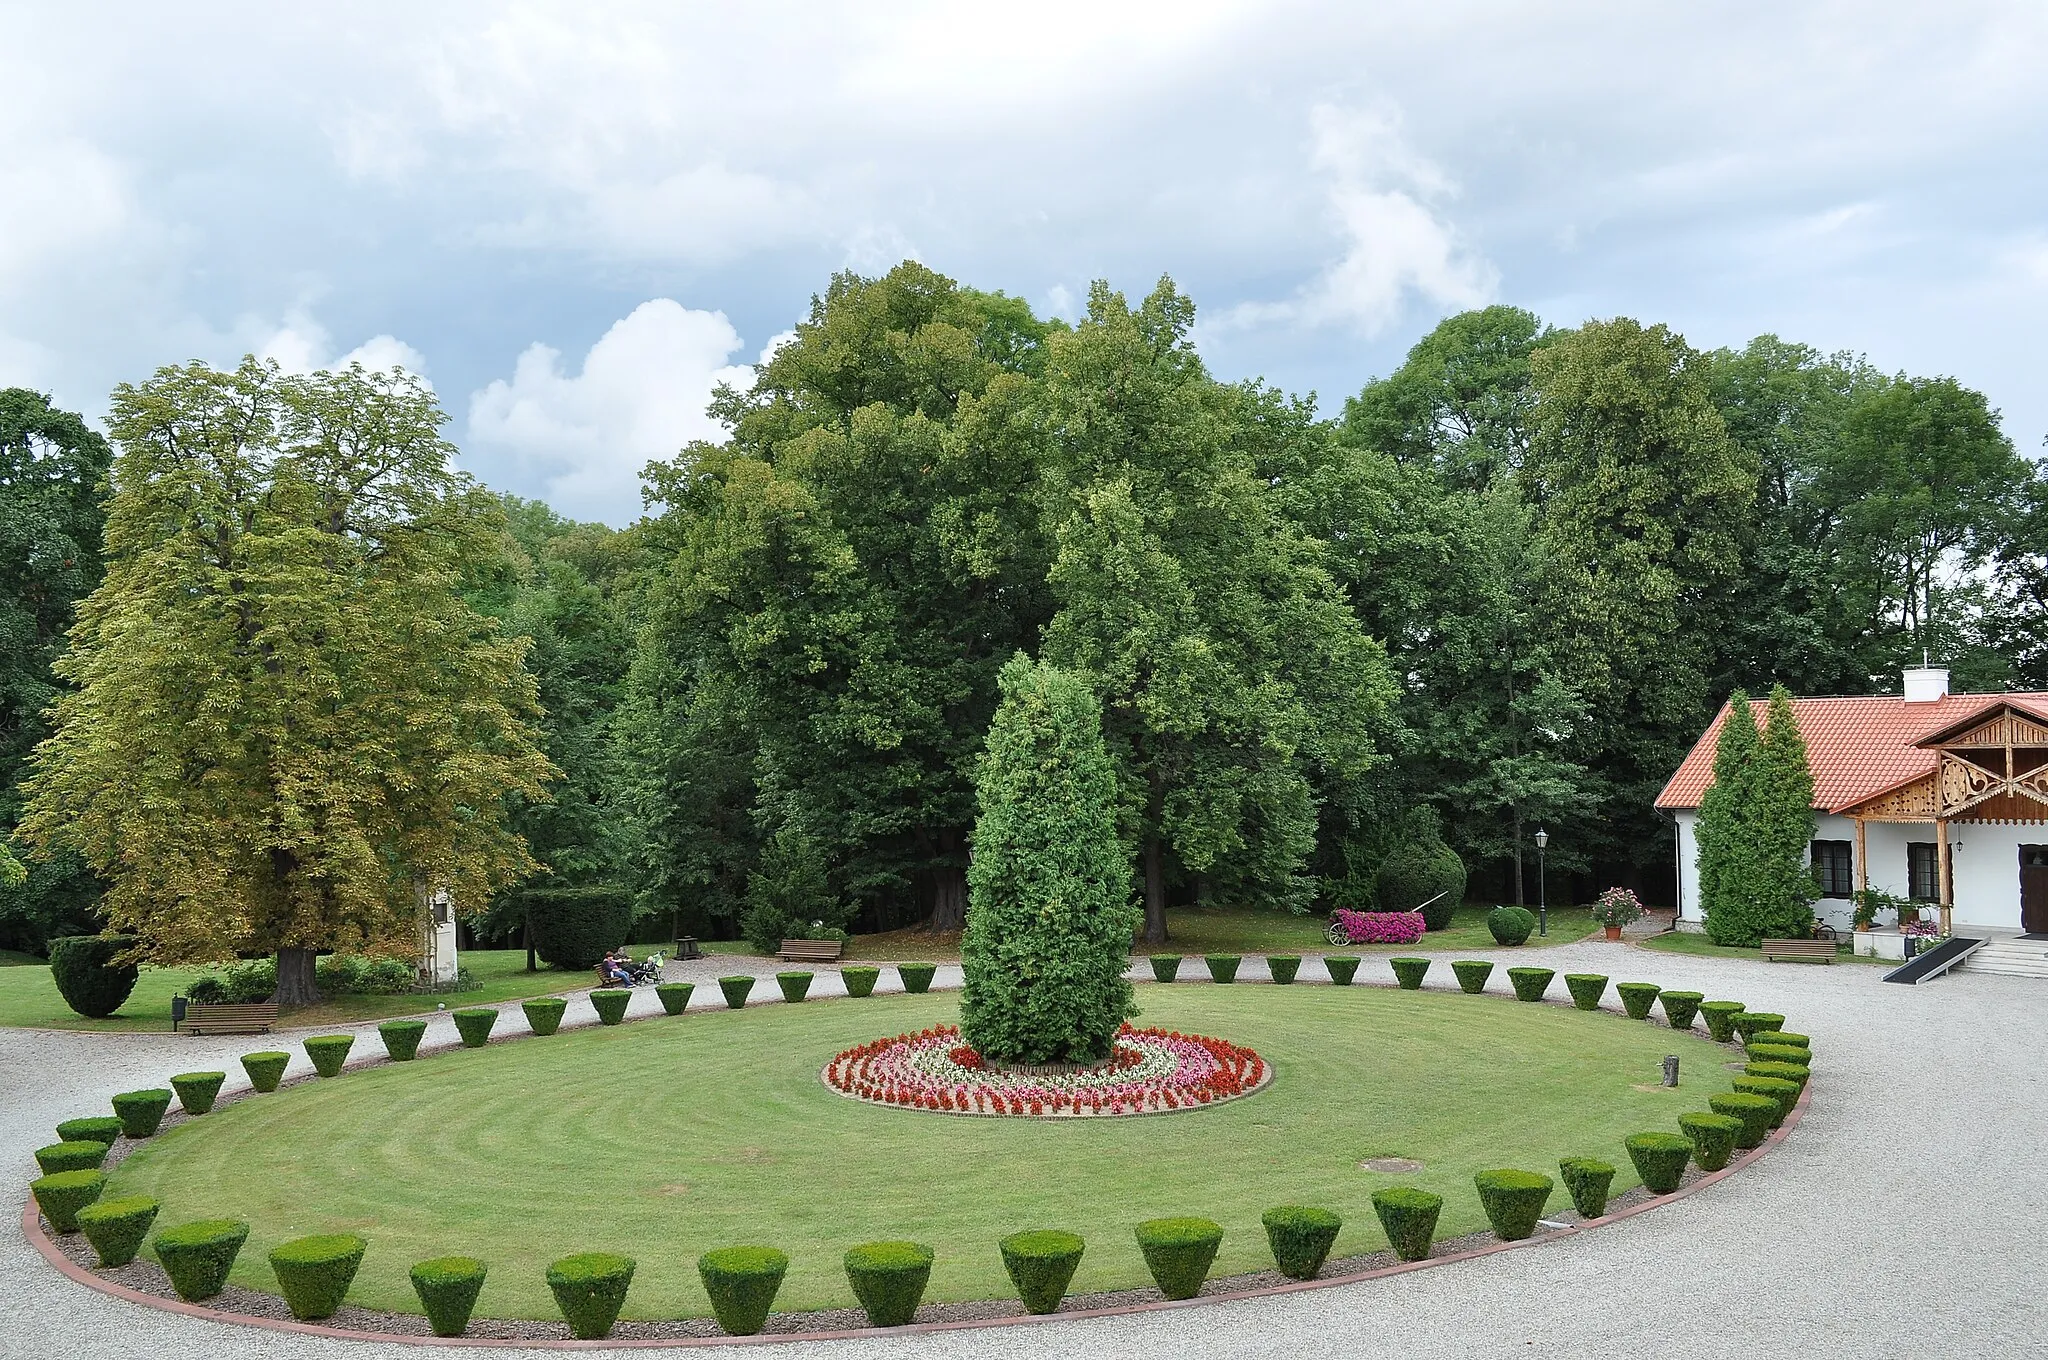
1925	684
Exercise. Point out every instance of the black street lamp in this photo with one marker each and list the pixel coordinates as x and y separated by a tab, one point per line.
1542	885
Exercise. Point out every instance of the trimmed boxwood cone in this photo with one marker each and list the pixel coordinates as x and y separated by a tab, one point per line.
329	1052
1587	1181
610	1003
401	1038
1283	967
674	996
448	1286
142	1112
1341	968
860	979
1041	1265
1680	1007
1514	1201
85	1155
1780	1038
1713	1138
197	1090
1530	983
198	1256
61	1196
1637	998
1222	967
1472	974
474	1024
544	1014
590	1288
99	1128
889	1279
1719	1018
1408	1217
1300	1237
1753	1022
1165	967
116	1227
1659	1159
1784	1094
265	1069
1789	1071
1586	989
795	985
736	988
1408	973
1781	1053
917	977
1178	1252
742	1283
314	1273
1758	1114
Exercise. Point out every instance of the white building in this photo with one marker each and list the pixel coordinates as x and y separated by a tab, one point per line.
1936	797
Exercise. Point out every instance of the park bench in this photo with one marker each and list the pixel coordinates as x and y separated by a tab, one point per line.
1821	951
812	951
255	1017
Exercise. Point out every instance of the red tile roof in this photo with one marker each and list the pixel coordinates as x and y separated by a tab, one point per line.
1857	747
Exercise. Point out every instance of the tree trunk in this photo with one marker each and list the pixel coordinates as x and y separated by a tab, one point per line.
531	965
1518	859
295	978
1155	891
949	899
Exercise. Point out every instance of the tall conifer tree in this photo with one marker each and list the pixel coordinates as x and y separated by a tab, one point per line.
1724	825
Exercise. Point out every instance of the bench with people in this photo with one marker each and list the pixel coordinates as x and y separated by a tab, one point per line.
617	969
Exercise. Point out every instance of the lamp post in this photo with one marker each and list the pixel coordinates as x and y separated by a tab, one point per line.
1542	885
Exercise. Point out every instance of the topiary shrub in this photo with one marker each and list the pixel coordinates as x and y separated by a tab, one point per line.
141	1112
1283	967
1719	1018
1408	973
1513	1201
795	985
1586	989
1301	1238
1792	1072
1680	1008
265	1069
1773	1053
198	1090
573	927
1586	1181
99	1128
1659	1159
116	1227
1758	1113
860	979
474	1024
1041	1266
1510	925
1165	967
61	1196
1222	967
1637	998
1472	974
329	1052
917	977
448	1286
674	996
198	1256
1408	1217
610	1003
86	975
1530	983
736	988
742	1283
590	1288
889	1279
1417	872
1781	1093
401	1038
1341	968
53	1158
1778	1036
314	1273
544	1013
1178	1252
1754	1022
1713	1138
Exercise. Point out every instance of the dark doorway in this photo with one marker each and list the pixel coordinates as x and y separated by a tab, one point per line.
2034	889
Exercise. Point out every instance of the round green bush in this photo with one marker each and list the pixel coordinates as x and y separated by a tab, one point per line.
736	988
1586	989
1408	973
1510	925
1415	873
61	1196
1341	968
198	1256
402	1038
795	985
448	1286
1530	983
917	977
674	996
86	975
1408	1217
1680	1007
1178	1252
142	1112
573	927
1758	1114
1659	1159
544	1014
1637	998
1283	967
1222	967
1472	974
265	1069
1041	1265
1301	1238
99	1128
888	1279
610	1004
80	1156
1587	1180
314	1273
1781	1038
1719	1018
474	1024
329	1052
1165	967
860	979
1513	1201
1713	1138
590	1288
1753	1022
742	1283
116	1227
1781	1093
1798	1057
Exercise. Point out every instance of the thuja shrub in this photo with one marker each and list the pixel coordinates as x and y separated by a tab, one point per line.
1713	1138
1778	1036
86	975
85	1155
474	1024
448	1286
860	979
198	1256
1637	998
1719	1018
742	1283
917	977
1472	974
329	1052
1408	973
1779	1053
1222	967
1165	967
1283	967
1784	1094
674	996
544	1013
1659	1159
888	1279
265	1069
116	1227
1530	983
1513	1201
1301	1237
1587	1180
735	989
1041	1265
401	1038
314	1273
99	1128
1178	1252
1680	1007
1758	1113
1586	989
795	984
1408	1217
1792	1072
610	1003
590	1288
142	1112
61	1196
1510	925
1755	1022
1341	968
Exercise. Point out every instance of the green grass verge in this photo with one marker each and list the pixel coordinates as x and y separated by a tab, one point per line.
1697	945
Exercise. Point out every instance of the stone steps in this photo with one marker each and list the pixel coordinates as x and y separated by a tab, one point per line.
2015	958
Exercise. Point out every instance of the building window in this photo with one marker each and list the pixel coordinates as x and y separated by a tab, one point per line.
1834	868
1923	871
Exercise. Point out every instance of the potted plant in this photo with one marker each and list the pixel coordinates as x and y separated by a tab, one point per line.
1921	936
1615	908
1867	903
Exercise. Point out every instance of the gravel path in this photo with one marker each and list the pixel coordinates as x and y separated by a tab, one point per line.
1825	1248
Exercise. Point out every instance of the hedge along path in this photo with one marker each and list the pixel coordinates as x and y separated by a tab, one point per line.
702	1135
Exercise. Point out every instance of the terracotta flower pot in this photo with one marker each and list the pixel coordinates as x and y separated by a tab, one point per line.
1613	932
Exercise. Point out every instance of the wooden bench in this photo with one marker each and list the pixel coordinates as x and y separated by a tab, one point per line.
1814	951
255	1017
812	951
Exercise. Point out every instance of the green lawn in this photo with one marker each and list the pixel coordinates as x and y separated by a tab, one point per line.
1694	943
665	1137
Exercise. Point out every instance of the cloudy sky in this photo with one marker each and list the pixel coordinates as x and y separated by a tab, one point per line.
574	219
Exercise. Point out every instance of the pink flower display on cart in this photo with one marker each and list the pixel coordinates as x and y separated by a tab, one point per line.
1375	927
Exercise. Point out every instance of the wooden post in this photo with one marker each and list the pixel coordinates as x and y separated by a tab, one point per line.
1942	872
1862	864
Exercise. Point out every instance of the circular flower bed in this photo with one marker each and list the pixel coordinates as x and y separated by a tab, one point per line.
1150	1071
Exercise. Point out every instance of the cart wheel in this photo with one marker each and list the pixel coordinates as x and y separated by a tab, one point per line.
1336	934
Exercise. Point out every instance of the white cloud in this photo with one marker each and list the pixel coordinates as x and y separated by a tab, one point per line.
300	344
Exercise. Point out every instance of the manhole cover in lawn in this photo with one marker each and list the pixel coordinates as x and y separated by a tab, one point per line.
1393	1166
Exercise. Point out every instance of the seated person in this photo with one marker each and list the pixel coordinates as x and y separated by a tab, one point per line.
615	967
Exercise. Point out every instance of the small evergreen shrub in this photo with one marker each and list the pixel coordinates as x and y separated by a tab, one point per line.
1513	1201
1778	1036
590	1288
1587	1180
83	1156
1637	998
356	975
314	1273
1222	967
116	1227
610	1004
1797	1057
99	1128
573	927
1041	1265
448	1286
795	985
474	1024
1417	872
1755	1022
61	1196
329	1052
742	1283
1719	1017
860	979
1793	1072
674	996
1530	983
1165	967
265	1069
1680	1007
240	984
402	1038
1510	925
197	1090
1659	1159
1586	989
1301	1238
736	988
1178	1252
1713	1138
1408	973
141	1112
917	977
1283	967
1408	1217
1758	1113
198	1256
1341	968
1781	1093
544	1013
1472	974
889	1279
86	975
